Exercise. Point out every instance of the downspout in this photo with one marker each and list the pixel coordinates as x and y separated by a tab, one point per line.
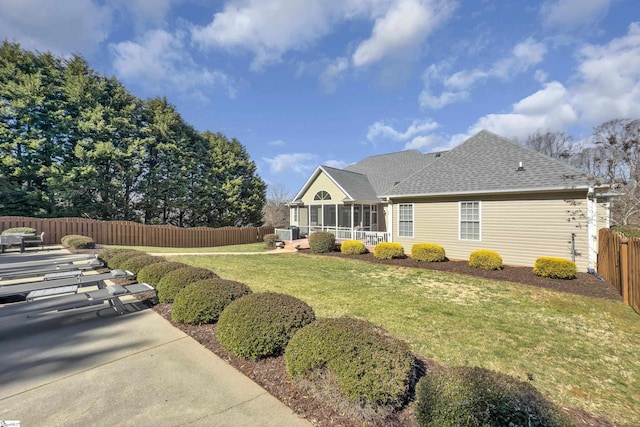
390	210
592	232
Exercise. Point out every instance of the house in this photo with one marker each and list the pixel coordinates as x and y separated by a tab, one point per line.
487	193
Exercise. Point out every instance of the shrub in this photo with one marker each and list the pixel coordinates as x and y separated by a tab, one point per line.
120	258
470	396
628	231
77	242
353	247
485	260
107	255
366	364
172	282
260	325
388	250
270	240
428	252
322	242
203	301
138	262
556	268
23	230
152	274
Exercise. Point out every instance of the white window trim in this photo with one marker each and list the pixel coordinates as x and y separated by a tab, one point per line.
479	220
413	219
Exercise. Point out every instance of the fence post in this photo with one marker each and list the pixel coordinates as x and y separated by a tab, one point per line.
624	269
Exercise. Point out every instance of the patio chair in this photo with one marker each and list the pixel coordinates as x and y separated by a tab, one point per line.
37	239
110	294
81	280
44	269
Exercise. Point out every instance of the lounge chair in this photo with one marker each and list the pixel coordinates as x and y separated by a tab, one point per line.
110	294
17	261
81	280
44	269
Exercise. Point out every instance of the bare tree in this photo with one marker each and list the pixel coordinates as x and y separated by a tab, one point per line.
275	211
554	144
619	165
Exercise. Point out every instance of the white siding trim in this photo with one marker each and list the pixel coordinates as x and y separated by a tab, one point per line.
592	229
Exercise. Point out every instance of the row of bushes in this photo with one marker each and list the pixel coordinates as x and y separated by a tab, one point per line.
553	267
353	364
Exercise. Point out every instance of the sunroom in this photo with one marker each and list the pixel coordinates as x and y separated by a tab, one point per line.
324	204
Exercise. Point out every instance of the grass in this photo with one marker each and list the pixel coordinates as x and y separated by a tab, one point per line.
251	247
581	352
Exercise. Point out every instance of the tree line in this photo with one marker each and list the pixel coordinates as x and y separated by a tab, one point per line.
74	143
611	154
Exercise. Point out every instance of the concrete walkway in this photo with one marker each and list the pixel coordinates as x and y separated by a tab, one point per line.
92	367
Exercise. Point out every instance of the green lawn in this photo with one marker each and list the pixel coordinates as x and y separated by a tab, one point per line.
581	352
251	247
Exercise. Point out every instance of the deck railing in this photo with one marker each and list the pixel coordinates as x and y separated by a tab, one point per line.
369	238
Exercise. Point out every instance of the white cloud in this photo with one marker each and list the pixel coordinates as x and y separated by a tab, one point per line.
417	127
548	108
299	163
569	14
403	28
338	164
424	142
62	27
160	59
455	87
333	73
609	77
269	29
277	143
145	13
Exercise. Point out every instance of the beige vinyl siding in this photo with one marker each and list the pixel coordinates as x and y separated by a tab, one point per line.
323	183
520	228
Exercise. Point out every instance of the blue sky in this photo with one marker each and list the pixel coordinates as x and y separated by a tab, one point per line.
307	82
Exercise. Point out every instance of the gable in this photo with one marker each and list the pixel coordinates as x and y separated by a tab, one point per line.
322	182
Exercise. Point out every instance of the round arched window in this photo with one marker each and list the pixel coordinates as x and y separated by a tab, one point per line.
322	195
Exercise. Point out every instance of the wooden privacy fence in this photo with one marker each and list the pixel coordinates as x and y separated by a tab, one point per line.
619	264
134	234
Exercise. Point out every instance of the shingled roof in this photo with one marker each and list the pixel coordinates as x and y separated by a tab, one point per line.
484	163
487	163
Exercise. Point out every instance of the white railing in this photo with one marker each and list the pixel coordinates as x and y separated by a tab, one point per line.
369	238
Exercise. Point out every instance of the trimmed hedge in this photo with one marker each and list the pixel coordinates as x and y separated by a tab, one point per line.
388	250
25	230
117	260
77	241
353	247
471	396
109	254
261	324
555	268
138	262
428	252
152	274
203	301
369	365
172	282
322	242
485	260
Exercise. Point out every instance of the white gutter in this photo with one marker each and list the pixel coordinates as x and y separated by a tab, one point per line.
482	192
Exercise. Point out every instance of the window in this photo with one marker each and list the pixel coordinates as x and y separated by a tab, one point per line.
405	220
470	221
296	214
322	195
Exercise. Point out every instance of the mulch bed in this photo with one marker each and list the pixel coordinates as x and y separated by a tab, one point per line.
270	372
